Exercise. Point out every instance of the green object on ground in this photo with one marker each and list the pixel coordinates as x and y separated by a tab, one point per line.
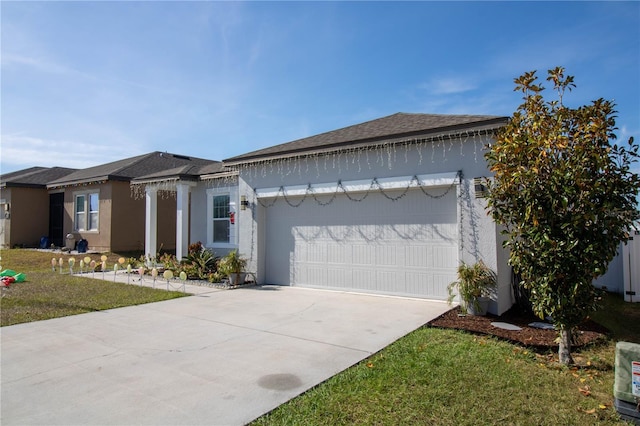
19	277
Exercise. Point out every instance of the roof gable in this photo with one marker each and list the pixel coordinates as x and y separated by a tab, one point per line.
392	127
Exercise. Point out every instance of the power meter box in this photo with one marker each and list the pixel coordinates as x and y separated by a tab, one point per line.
626	388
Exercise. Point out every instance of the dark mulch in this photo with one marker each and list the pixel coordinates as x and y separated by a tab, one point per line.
588	332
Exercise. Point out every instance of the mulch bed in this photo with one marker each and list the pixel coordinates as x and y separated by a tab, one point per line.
536	338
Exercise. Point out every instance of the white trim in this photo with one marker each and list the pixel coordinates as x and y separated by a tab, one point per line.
151	222
232	191
87	212
182	219
398	182
170	184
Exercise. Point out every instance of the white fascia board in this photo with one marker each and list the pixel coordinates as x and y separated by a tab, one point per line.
397	182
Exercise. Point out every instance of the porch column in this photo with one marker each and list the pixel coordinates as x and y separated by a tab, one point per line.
182	220
151	222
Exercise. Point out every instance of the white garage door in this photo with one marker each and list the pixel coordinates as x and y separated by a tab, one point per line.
406	247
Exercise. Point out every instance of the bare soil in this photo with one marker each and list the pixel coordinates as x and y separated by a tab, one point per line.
535	338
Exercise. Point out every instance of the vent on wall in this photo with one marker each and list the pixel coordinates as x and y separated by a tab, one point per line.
480	186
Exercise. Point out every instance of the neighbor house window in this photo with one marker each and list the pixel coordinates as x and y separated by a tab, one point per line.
221	218
86	212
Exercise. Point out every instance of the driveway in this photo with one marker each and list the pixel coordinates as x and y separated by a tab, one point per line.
218	357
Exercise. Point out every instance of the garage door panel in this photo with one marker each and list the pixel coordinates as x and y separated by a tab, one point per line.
317	276
363	279
390	282
386	255
340	277
419	256
339	254
317	253
362	254
406	247
419	283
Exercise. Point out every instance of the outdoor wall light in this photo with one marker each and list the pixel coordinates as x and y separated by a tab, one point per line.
243	202
480	187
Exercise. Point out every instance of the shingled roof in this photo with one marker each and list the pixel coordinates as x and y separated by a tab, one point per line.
131	168
33	177
393	128
186	172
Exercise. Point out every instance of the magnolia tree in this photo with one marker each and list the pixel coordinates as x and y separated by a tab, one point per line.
566	196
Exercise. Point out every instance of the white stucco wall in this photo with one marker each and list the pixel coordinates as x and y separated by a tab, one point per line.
478	236
198	212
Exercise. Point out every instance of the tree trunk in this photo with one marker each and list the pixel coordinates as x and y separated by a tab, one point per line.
564	349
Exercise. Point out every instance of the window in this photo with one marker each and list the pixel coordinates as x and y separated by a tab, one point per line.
222	230
86	212
80	213
221	218
93	211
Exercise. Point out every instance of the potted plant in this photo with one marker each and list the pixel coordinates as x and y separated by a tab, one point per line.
474	284
233	266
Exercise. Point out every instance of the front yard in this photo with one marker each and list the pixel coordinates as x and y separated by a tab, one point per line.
46	294
446	377
431	376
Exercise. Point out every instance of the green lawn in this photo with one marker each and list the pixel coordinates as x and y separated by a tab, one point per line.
446	377
46	294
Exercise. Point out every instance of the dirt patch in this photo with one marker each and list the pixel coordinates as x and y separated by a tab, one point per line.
588	332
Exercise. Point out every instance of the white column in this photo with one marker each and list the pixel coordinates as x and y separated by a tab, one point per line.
182	220
151	222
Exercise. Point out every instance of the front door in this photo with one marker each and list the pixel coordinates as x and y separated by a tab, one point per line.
56	218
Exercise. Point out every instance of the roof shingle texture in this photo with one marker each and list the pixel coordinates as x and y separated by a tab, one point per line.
35	177
142	165
392	127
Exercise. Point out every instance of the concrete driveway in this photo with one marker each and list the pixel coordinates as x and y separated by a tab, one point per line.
218	357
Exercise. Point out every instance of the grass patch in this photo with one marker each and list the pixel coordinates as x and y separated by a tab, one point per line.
447	377
46	294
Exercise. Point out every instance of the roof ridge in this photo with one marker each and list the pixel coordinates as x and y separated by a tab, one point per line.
133	161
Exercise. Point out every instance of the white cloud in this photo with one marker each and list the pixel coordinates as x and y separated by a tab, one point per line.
21	151
449	85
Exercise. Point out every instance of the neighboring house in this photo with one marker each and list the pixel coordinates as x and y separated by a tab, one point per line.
99	205
206	200
389	206
27	211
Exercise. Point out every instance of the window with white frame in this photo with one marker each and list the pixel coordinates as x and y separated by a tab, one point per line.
221	223
86	212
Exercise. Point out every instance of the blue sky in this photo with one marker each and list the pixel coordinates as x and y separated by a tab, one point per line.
85	83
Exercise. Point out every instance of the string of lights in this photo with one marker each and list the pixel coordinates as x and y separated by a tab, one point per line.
374	186
383	154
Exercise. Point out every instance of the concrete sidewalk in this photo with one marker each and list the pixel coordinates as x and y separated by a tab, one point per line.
218	357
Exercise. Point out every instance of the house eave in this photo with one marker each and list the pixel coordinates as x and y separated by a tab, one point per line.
443	133
168	178
223	175
88	181
5	185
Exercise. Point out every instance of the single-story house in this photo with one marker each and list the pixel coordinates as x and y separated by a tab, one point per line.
27	210
390	206
99	206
